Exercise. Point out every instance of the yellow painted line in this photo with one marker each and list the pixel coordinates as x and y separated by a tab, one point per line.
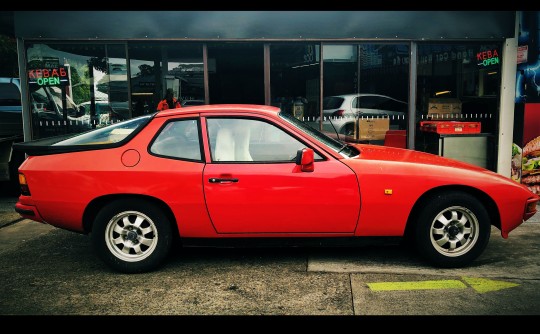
480	285
483	285
420	285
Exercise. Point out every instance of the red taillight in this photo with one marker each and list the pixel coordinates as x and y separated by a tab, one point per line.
24	185
339	112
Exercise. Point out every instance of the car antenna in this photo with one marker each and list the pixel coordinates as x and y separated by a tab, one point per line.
336	131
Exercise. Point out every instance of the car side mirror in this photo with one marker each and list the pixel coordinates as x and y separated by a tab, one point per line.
305	158
76	112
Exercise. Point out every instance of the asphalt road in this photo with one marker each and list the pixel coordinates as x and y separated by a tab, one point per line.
48	271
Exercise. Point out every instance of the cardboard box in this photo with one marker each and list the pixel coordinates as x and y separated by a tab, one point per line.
373	128
442	107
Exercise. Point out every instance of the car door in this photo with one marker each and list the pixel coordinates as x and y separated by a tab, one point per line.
253	184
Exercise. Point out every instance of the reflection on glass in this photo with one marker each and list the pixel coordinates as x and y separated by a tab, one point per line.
463	76
458	87
75	87
155	67
294	79
365	90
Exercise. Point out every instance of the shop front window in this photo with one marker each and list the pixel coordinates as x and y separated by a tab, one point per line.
365	91
75	87
156	67
236	73
458	88
295	79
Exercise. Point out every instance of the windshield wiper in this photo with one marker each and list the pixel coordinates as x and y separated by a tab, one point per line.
342	148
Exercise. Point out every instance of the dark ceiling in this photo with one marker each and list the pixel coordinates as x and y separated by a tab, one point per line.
264	25
6	23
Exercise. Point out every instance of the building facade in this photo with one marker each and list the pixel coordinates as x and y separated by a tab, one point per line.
356	73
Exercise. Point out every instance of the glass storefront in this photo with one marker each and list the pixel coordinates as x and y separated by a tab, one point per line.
354	91
236	73
458	89
295	78
75	87
156	67
358	93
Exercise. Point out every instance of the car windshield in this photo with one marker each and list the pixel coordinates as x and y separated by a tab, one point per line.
332	102
110	134
336	145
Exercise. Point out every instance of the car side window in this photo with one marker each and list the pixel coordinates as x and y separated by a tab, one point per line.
178	139
394	106
370	102
250	140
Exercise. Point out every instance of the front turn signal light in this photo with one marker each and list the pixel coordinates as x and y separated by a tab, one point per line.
530	208
24	185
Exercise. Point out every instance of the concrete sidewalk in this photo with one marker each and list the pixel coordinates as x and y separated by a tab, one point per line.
8	215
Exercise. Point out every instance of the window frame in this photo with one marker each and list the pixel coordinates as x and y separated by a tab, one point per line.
318	155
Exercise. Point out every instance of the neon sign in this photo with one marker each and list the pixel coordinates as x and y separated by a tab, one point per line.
48	76
487	58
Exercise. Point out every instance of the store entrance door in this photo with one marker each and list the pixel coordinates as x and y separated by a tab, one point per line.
236	73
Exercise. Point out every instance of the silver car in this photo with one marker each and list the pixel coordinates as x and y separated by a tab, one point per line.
341	111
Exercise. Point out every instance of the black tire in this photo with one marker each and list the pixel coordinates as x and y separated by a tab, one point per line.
132	236
348	129
452	230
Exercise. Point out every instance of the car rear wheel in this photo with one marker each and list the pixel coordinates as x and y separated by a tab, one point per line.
452	230
132	236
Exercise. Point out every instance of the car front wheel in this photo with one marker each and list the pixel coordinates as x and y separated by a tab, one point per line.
348	129
132	236
452	230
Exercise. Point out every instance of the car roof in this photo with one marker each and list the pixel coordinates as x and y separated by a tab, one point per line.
357	94
196	101
345	96
15	81
221	108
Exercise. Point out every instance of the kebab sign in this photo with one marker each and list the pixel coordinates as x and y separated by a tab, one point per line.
49	76
487	58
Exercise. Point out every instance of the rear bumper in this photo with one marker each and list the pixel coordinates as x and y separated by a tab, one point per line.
28	212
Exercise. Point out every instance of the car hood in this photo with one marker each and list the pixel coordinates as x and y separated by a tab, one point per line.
381	164
385	153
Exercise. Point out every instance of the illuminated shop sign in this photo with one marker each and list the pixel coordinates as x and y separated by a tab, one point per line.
49	76
487	58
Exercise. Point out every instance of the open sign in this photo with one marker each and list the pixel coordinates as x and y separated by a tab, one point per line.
49	76
486	58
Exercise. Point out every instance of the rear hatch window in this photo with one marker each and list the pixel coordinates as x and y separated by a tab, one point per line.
113	135
332	102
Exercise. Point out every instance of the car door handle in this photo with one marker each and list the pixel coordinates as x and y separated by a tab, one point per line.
219	180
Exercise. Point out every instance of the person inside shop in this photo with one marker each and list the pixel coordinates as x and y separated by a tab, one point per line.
169	102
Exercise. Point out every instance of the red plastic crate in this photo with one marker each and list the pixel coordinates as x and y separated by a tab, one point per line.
451	127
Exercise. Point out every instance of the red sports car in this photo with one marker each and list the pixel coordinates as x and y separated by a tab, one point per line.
247	171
